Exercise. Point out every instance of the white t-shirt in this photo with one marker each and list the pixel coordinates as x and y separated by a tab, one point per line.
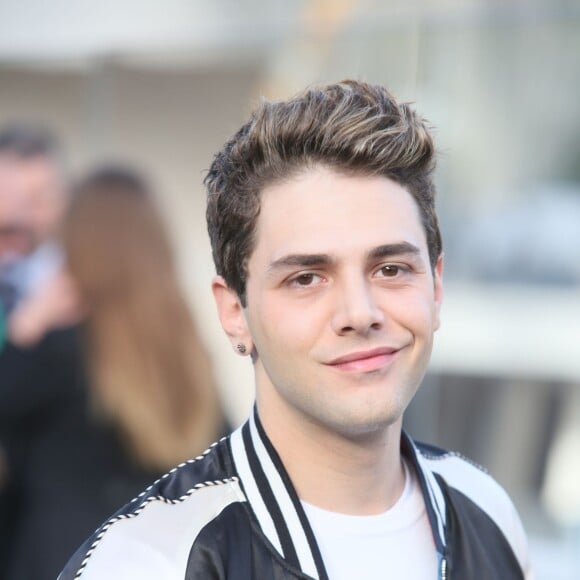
395	544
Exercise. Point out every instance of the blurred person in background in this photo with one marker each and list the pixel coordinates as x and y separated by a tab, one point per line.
96	410
32	201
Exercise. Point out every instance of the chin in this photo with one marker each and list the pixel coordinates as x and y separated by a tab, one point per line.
355	426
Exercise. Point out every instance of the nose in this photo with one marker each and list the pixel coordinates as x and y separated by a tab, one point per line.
356	310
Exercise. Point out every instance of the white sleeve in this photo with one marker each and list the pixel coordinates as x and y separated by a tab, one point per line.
155	541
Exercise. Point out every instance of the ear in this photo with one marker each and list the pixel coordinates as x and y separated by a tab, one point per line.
231	315
438	290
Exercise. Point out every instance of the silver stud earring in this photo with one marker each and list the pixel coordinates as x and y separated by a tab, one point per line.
241	347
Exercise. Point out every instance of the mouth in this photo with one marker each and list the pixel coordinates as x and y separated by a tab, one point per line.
365	361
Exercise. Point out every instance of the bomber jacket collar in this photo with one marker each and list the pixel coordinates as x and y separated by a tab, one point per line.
280	514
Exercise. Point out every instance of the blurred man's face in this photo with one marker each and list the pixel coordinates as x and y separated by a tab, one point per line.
31	204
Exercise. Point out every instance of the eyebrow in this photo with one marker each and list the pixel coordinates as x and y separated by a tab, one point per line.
301	260
310	260
399	249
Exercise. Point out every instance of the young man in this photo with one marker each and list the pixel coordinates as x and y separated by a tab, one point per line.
328	253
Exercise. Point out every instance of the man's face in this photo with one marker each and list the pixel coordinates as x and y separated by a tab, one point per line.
341	301
31	203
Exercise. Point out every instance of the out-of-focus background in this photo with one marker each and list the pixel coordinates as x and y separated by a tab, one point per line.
162	84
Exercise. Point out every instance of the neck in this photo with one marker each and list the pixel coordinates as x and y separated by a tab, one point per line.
358	475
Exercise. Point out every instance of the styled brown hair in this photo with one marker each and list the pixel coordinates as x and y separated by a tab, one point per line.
351	127
150	374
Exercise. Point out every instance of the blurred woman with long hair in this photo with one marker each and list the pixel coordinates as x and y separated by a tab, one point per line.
149	372
96	410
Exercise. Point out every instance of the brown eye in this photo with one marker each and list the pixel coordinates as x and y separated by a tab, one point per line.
304	279
390	271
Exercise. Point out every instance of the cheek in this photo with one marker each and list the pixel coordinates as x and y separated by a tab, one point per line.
415	311
297	330
279	324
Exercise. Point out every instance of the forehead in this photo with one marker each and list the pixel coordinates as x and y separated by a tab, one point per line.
321	210
20	175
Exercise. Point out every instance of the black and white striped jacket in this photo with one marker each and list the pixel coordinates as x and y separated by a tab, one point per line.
232	513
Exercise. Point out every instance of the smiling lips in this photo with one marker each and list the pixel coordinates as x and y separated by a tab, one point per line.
365	361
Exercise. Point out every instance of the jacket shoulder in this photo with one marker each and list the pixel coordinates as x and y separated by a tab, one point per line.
152	535
468	477
473	481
